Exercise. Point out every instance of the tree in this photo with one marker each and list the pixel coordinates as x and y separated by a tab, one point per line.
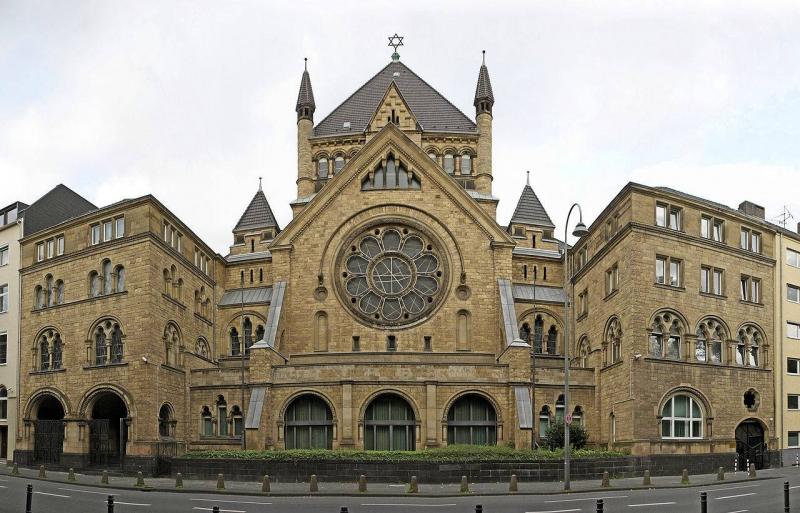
554	437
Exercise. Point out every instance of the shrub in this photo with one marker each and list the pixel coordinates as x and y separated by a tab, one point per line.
554	437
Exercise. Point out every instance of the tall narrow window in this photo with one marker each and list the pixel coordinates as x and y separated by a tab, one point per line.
234	337
538	333
449	163
3	348
107	280
207	422
3	298
57	352
322	168
107	231
544	421
338	164
95	234
120	279
44	354
40	251
59	292
3	403
100	347
719	230
466	164
462	331
560	408
120	227
236	421
222	416
552	337
4	255
247	328
661	215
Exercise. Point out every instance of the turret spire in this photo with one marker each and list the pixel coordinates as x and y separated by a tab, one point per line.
484	98
305	97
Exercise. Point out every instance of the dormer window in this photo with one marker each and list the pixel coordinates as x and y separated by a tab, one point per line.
238	239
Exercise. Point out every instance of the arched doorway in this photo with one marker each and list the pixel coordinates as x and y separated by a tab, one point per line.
389	424
472	420
108	429
48	443
308	424
750	444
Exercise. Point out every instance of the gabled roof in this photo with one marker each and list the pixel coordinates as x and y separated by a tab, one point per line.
530	210
432	110
257	215
55	207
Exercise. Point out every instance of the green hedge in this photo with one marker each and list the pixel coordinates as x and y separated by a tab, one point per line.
451	453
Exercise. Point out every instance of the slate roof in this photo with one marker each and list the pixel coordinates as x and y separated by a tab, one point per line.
484	88
305	97
246	257
432	110
55	207
257	215
530	210
251	296
524	292
537	252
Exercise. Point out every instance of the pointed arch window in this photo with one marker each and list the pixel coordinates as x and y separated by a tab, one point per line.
583	353
107	279
749	345
51	296
709	344
207	422
248	334
392	175
222	416
59	292
94	284
552	337
613	338
234	337
544	421
202	348
38	293
525	332
236	421
56	353
48	349
108	343
538	330
665	336
560	408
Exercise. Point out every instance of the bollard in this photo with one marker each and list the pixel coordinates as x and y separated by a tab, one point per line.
599	505
215	509
703	502
721	474
479	508
313	486
139	480
178	480
512	485
786	497
685	477
362	483
735	465
343	510
752	472
605	483
71	474
413	486
464	485
265	484
110	504
104	477
42	473
220	482
646	478
28	499
15	469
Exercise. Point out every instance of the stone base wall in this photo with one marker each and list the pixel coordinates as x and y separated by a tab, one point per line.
433	472
148	465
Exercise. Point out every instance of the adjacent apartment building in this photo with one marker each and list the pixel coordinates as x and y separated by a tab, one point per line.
10	233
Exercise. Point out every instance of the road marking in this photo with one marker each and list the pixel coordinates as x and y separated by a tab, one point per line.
132	504
651	504
554	511
793	487
225	510
740	511
1	486
734	496
731	488
81	491
410	505
52	494
590	498
234	502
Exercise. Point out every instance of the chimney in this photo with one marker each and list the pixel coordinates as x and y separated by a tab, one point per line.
752	209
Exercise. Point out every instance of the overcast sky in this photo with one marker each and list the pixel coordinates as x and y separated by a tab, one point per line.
192	101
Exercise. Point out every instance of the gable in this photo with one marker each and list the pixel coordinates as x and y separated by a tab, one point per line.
393	109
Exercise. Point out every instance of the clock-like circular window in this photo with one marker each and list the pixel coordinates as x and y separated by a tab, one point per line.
392	274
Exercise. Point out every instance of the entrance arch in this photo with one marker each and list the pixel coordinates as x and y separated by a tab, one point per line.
48	443
389	424
108	430
750	444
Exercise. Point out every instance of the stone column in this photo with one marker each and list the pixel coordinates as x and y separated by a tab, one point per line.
431	415
346	422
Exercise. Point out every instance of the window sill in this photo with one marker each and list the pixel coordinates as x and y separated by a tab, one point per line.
85	300
43	372
105	366
582	316
751	303
173	301
611	294
669	287
712	295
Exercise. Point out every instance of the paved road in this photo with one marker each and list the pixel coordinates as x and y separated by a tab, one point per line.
765	496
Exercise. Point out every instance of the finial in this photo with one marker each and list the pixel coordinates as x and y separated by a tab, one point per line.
527	179
484	57
259	183
305	63
395	41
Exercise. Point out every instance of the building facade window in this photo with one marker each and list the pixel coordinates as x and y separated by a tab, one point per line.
612	279
207	422
392	175
613	339
222	416
94	234
472	420
709	345
749	344
4	256
793	366
669	271
750	240
793	439
389	425
750	289
466	164
544	421
449	163
308	424
166	422
119	227
681	418
793	258
3	403
793	402
665	337
108	343
49	348
712	280
3	298
338	164
793	293
793	330
669	216
3	348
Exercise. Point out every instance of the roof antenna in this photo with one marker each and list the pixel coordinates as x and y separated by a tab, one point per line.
305	63
528	178
259	183
484	57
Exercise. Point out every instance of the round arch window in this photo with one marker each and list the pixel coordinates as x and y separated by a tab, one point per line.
392	275
472	421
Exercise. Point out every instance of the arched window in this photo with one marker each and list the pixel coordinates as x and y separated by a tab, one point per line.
560	408
100	347
709	344
172	343
48	351
207	422
552	336
116	345
222	416
391	176
236	421
166	423
525	332
544	421
338	164
577	416
3	403
174	281
44	353
749	343
38	294
389	425
583	352
108	345
259	333
613	338
248	334
108	282
56	352
538	330
432	155
472	421
466	164
51	296
321	332
167	283
234	336
201	348
462	331
308	424
681	418
666	325
94	284
322	168
449	163
120	273
59	292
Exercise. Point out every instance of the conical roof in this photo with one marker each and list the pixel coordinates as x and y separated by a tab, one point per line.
305	97
530	210
432	110
483	91
257	215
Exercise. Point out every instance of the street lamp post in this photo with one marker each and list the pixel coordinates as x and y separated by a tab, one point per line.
579	231
533	366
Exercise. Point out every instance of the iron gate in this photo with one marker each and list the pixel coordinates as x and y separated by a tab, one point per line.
106	445
750	445
48	441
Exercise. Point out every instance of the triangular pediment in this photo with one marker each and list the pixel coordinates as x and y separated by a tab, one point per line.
393	109
392	141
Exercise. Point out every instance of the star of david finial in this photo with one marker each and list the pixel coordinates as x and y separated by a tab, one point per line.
395	41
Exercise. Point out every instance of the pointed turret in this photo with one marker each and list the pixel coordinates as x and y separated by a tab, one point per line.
305	97
530	211
258	215
484	97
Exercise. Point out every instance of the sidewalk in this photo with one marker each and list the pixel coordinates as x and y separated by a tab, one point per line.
389	489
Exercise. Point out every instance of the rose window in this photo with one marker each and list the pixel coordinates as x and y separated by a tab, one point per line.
392	275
